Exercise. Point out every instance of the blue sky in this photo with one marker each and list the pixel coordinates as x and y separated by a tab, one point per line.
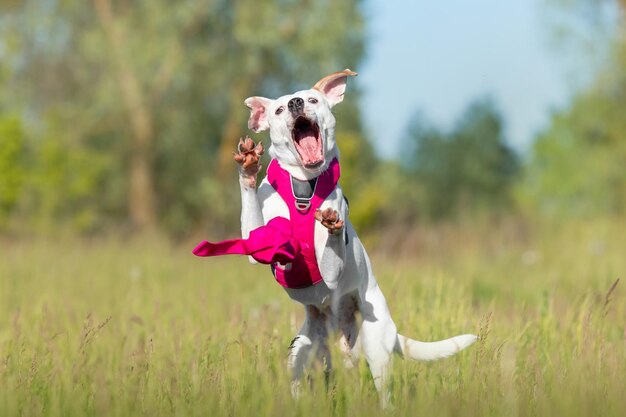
437	56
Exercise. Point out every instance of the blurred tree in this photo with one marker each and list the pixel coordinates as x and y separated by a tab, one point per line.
468	170
158	86
280	46
364	189
63	174
12	166
577	165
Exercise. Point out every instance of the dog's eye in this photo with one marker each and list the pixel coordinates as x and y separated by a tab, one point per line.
313	100
279	110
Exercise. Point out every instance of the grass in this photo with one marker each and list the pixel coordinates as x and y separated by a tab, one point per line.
142	328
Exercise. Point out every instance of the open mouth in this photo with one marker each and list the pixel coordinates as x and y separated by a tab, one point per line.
306	137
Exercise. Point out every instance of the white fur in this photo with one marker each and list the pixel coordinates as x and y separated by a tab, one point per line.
349	283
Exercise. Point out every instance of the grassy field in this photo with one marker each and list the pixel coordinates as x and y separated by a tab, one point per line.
143	328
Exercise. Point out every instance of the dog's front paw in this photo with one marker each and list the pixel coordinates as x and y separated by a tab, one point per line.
330	220
248	157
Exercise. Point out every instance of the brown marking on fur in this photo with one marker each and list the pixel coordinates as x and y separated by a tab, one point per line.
347	325
313	312
321	84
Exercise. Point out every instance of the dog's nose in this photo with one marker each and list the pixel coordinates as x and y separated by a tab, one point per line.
295	105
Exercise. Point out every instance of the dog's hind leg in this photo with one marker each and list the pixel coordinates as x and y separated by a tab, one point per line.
310	346
378	337
348	328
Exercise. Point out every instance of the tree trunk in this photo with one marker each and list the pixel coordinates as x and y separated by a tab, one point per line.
141	199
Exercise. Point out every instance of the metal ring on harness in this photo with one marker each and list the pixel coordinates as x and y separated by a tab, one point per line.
303	205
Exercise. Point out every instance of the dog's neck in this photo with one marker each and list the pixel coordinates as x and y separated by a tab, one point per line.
300	173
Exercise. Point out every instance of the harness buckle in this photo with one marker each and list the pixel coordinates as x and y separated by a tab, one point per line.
303	205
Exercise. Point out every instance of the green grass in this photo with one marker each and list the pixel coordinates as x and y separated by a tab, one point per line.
140	328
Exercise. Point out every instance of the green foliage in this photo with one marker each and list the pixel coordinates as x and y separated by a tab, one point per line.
576	168
359	181
12	166
173	73
577	165
470	169
64	177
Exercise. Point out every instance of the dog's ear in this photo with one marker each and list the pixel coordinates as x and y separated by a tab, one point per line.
258	113
333	86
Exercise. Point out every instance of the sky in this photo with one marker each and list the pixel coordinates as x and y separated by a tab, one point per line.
435	57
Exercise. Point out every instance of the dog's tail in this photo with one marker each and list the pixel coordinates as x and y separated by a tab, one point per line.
430	351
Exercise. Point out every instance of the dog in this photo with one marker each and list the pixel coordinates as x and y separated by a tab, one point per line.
319	259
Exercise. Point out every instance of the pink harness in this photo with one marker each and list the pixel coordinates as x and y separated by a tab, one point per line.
303	270
288	245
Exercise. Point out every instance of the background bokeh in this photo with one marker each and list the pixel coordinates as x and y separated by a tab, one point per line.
121	116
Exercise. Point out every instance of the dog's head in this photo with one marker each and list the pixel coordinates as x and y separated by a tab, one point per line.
302	126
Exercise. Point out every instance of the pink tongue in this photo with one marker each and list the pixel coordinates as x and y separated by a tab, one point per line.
309	149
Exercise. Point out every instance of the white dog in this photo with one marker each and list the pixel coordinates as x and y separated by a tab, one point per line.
303	150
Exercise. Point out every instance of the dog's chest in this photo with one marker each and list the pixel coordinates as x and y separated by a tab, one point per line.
303	199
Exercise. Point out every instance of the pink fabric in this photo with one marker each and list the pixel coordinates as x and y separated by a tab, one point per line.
303	271
287	244
267	244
